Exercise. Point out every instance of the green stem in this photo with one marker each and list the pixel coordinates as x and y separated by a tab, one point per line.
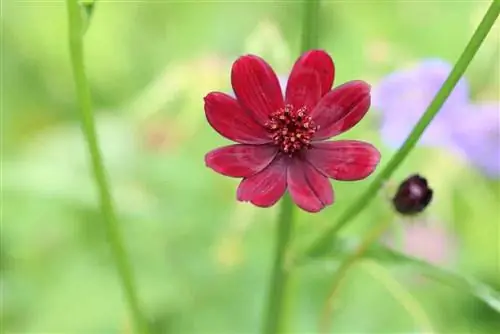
319	244
279	276
280	279
111	223
310	34
401	295
399	235
454	280
344	267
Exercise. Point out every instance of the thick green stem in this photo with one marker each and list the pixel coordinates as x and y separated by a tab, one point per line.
310	34
273	323
115	238
279	276
322	242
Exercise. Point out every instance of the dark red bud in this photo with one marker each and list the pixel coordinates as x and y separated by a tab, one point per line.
413	195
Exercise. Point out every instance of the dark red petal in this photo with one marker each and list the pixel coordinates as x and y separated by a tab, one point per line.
227	117
264	189
345	160
256	87
303	90
341	109
309	189
240	160
320	63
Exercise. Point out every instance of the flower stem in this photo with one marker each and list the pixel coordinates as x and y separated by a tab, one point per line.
280	277
76	30
401	295
310	33
358	253
322	242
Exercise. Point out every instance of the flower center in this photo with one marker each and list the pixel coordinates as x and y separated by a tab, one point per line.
291	129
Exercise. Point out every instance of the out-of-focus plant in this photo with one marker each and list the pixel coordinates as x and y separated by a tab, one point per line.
115	238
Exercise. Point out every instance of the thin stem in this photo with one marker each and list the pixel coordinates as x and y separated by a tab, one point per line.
399	235
322	242
401	295
279	276
358	253
111	224
280	280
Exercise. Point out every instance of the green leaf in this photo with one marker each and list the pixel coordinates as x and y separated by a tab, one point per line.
385	255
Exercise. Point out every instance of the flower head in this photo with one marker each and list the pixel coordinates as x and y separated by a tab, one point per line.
281	138
403	96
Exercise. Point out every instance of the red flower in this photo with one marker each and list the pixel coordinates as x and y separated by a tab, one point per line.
281	140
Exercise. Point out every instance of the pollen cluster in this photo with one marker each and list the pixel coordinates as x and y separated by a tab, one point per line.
291	129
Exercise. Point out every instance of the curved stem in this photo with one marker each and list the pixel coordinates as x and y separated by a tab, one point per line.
358	253
318	245
401	295
279	276
76	30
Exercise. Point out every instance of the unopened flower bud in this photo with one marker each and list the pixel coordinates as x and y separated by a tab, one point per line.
413	195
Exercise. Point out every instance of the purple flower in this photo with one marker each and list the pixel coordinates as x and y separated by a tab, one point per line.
478	137
403	96
465	128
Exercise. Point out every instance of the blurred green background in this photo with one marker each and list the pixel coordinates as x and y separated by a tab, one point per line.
201	259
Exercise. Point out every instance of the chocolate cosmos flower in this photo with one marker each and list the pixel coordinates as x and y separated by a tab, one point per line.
281	140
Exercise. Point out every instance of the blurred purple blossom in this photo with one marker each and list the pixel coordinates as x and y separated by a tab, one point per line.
478	137
403	96
471	130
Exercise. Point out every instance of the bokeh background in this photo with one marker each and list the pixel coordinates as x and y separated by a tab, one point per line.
202	260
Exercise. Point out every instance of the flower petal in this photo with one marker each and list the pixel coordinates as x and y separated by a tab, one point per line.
265	188
345	160
227	117
320	63
309	189
256	87
240	160
304	90
341	109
